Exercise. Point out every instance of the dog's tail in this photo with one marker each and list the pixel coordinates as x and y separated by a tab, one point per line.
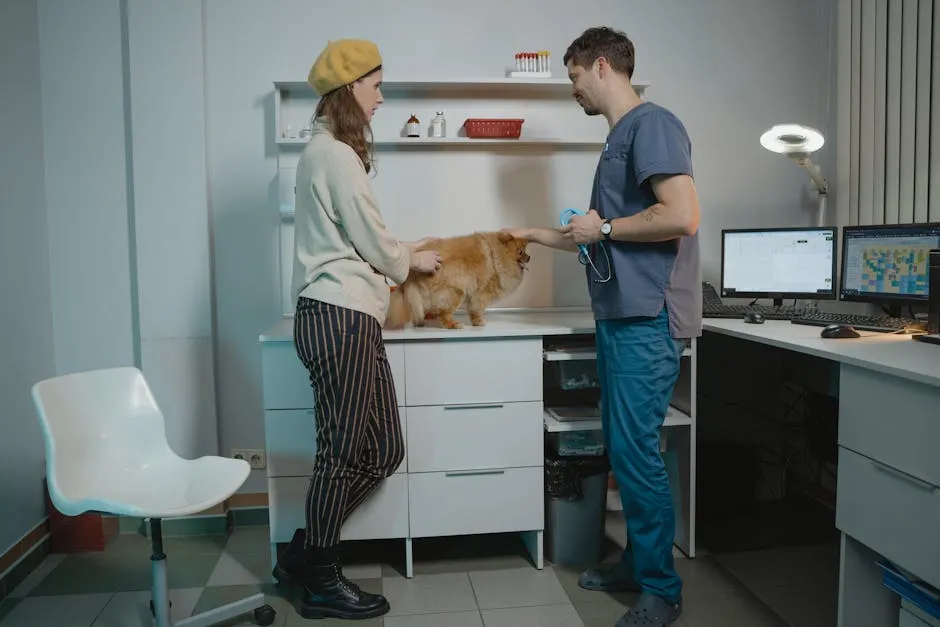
405	305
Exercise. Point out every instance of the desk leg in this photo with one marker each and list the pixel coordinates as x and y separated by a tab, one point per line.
409	560
863	599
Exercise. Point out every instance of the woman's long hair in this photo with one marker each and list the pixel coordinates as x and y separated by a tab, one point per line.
348	122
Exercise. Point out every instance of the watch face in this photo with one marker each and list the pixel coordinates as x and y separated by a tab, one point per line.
605	228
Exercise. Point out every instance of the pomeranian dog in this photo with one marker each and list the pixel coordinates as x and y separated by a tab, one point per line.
476	269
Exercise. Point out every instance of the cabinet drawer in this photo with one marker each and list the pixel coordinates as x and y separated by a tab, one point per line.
464	437
892	420
455	372
291	441
894	514
472	502
383	515
286	384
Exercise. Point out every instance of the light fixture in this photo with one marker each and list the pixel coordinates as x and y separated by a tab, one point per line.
797	142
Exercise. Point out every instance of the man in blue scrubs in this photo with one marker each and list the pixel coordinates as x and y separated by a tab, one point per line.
644	215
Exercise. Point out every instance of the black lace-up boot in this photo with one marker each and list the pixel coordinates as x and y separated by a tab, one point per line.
291	564
329	594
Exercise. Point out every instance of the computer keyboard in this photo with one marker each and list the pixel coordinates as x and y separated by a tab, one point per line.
768	311
861	322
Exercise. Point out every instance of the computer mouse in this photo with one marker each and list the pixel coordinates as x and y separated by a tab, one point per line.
839	331
754	317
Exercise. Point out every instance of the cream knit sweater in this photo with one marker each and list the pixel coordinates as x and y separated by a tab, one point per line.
342	249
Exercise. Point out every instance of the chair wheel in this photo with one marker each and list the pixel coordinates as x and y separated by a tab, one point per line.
264	615
153	612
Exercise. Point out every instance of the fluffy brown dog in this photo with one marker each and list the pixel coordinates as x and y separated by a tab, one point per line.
475	269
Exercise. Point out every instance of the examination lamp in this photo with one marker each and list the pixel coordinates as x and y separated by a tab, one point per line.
797	142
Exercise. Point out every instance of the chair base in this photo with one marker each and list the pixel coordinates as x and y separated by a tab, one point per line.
264	614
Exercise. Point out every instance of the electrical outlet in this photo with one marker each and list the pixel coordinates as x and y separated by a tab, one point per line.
255	458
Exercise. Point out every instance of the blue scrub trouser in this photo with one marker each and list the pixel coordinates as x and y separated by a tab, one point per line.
638	365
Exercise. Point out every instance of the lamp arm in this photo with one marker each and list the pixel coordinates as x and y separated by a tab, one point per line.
822	185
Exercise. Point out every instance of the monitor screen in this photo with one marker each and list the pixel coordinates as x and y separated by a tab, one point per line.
779	263
887	262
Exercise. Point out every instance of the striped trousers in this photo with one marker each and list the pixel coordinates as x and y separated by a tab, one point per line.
359	437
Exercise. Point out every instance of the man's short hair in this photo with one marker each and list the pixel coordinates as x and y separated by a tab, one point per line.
602	41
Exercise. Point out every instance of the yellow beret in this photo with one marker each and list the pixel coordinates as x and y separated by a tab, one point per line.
342	62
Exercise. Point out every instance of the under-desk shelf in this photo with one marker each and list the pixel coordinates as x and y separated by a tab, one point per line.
571	353
589	419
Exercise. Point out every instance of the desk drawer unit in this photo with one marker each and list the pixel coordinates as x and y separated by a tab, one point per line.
291	440
894	513
476	501
286	384
892	420
383	516
462	372
468	437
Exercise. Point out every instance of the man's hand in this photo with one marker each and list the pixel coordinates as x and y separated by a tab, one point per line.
584	229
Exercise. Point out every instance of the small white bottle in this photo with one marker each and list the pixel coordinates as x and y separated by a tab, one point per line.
439	125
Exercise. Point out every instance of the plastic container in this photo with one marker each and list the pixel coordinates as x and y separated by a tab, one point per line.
579	374
588	443
493	128
576	508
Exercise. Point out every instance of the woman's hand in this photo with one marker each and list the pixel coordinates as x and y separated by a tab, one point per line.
427	261
417	244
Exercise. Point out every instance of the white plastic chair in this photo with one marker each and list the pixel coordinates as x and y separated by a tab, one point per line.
107	452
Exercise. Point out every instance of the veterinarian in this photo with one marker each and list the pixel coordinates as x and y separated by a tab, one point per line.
342	256
642	229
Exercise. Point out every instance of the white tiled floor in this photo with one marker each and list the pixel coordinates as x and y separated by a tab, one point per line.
472	585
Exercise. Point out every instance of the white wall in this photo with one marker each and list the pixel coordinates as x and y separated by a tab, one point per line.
198	80
171	232
91	253
28	353
758	66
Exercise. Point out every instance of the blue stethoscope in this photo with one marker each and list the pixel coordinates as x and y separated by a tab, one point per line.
584	257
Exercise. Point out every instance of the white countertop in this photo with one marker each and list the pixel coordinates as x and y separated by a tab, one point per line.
498	324
891	353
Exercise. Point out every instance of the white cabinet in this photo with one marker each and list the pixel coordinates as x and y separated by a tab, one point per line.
475	437
473	371
476	501
471	412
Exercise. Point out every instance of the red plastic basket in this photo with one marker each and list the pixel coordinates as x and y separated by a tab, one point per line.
493	128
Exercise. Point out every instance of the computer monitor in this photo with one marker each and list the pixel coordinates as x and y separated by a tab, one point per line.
887	263
779	263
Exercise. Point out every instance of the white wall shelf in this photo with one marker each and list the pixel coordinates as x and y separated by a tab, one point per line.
483	85
554	128
424	142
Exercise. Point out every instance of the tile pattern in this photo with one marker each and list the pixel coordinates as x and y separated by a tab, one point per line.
459	582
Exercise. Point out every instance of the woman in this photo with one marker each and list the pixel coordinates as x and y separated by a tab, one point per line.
342	254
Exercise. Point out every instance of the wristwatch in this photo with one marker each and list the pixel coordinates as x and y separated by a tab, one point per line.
606	228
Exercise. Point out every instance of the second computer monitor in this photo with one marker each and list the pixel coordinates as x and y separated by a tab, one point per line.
779	263
887	263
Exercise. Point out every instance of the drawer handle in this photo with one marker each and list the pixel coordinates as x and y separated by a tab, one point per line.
473	473
920	483
488	406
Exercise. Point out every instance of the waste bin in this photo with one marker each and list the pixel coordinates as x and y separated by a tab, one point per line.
576	508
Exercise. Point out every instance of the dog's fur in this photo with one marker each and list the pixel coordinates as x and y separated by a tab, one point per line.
476	269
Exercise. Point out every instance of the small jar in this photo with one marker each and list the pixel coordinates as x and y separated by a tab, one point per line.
413	126
439	125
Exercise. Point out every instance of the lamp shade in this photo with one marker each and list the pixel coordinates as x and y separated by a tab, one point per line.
792	139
